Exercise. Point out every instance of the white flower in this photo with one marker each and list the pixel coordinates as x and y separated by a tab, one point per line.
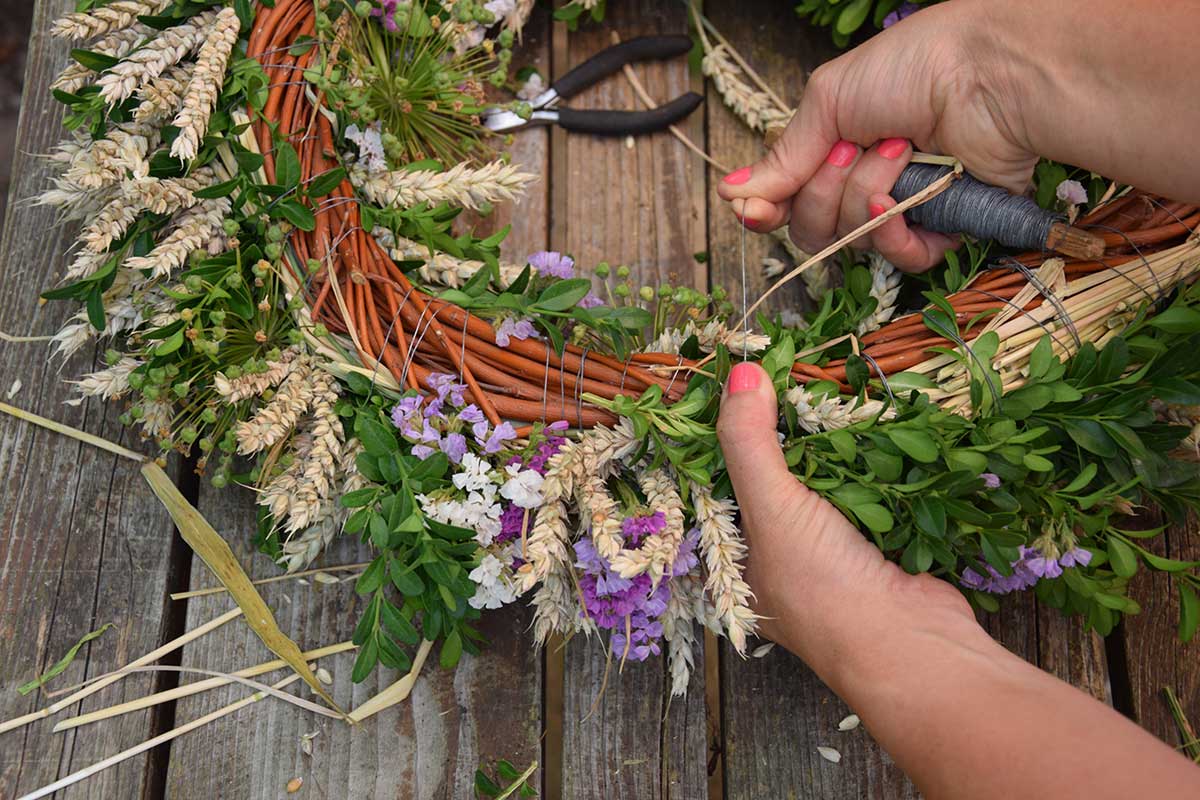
500	9
523	487
370	146
1071	192
532	87
473	475
493	582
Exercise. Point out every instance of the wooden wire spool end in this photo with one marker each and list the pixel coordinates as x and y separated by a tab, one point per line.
361	293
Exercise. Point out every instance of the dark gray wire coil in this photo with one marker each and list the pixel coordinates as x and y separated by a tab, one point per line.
970	206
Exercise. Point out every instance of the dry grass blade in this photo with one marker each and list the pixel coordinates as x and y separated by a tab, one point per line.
174	733
74	433
195	687
397	692
273	579
208	544
97	685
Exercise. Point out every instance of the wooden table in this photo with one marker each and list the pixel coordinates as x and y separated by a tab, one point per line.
84	542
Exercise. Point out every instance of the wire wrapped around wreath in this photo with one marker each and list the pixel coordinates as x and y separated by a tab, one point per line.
360	292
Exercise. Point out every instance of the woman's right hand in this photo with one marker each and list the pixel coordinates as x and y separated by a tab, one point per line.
931	80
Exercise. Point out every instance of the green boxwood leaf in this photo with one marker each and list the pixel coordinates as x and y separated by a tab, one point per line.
561	295
1122	558
287	165
916	444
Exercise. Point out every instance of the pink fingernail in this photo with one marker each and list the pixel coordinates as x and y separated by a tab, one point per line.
738	176
893	148
842	154
749	222
743	377
875	209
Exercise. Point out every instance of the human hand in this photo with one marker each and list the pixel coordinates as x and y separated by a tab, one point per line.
928	80
815	577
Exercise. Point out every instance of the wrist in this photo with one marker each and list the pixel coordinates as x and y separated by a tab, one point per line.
860	636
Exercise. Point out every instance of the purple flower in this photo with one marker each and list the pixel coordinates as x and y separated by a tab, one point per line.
637	527
504	432
558	426
454	445
991	480
480	429
686	559
512	519
1040	565
554	264
512	328
900	13
590	300
471	414
1076	557
388	13
446	387
422	451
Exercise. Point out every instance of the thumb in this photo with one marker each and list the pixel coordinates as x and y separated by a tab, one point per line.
746	429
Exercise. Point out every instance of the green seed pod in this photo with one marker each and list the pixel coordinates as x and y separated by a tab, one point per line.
217	317
233	280
233	372
137	412
219	480
664	291
623	272
194	283
218	333
602	269
208	416
273	250
180	389
363	8
274	234
205	445
230	227
621	290
719	293
111	356
646	293
189	434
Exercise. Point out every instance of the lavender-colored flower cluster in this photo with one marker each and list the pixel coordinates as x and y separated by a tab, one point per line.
439	423
630	607
514	328
1028	569
556	265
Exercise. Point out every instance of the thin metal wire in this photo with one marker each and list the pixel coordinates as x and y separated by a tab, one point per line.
745	295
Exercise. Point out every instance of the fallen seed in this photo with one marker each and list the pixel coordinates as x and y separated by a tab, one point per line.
294	785
849	723
829	754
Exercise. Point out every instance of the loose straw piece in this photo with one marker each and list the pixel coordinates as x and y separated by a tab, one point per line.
174	733
197	687
932	190
100	683
395	693
74	433
273	579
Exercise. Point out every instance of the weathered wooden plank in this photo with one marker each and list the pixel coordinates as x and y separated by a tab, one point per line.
637	202
428	747
82	539
775	711
1155	658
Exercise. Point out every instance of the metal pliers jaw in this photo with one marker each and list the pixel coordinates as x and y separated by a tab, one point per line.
603	121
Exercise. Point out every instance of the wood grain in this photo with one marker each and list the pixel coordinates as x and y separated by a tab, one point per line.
637	202
1153	654
429	746
82	539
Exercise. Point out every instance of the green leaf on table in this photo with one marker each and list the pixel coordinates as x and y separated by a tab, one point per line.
63	662
451	650
1122	558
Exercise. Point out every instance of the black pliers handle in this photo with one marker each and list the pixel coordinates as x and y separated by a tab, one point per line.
603	121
